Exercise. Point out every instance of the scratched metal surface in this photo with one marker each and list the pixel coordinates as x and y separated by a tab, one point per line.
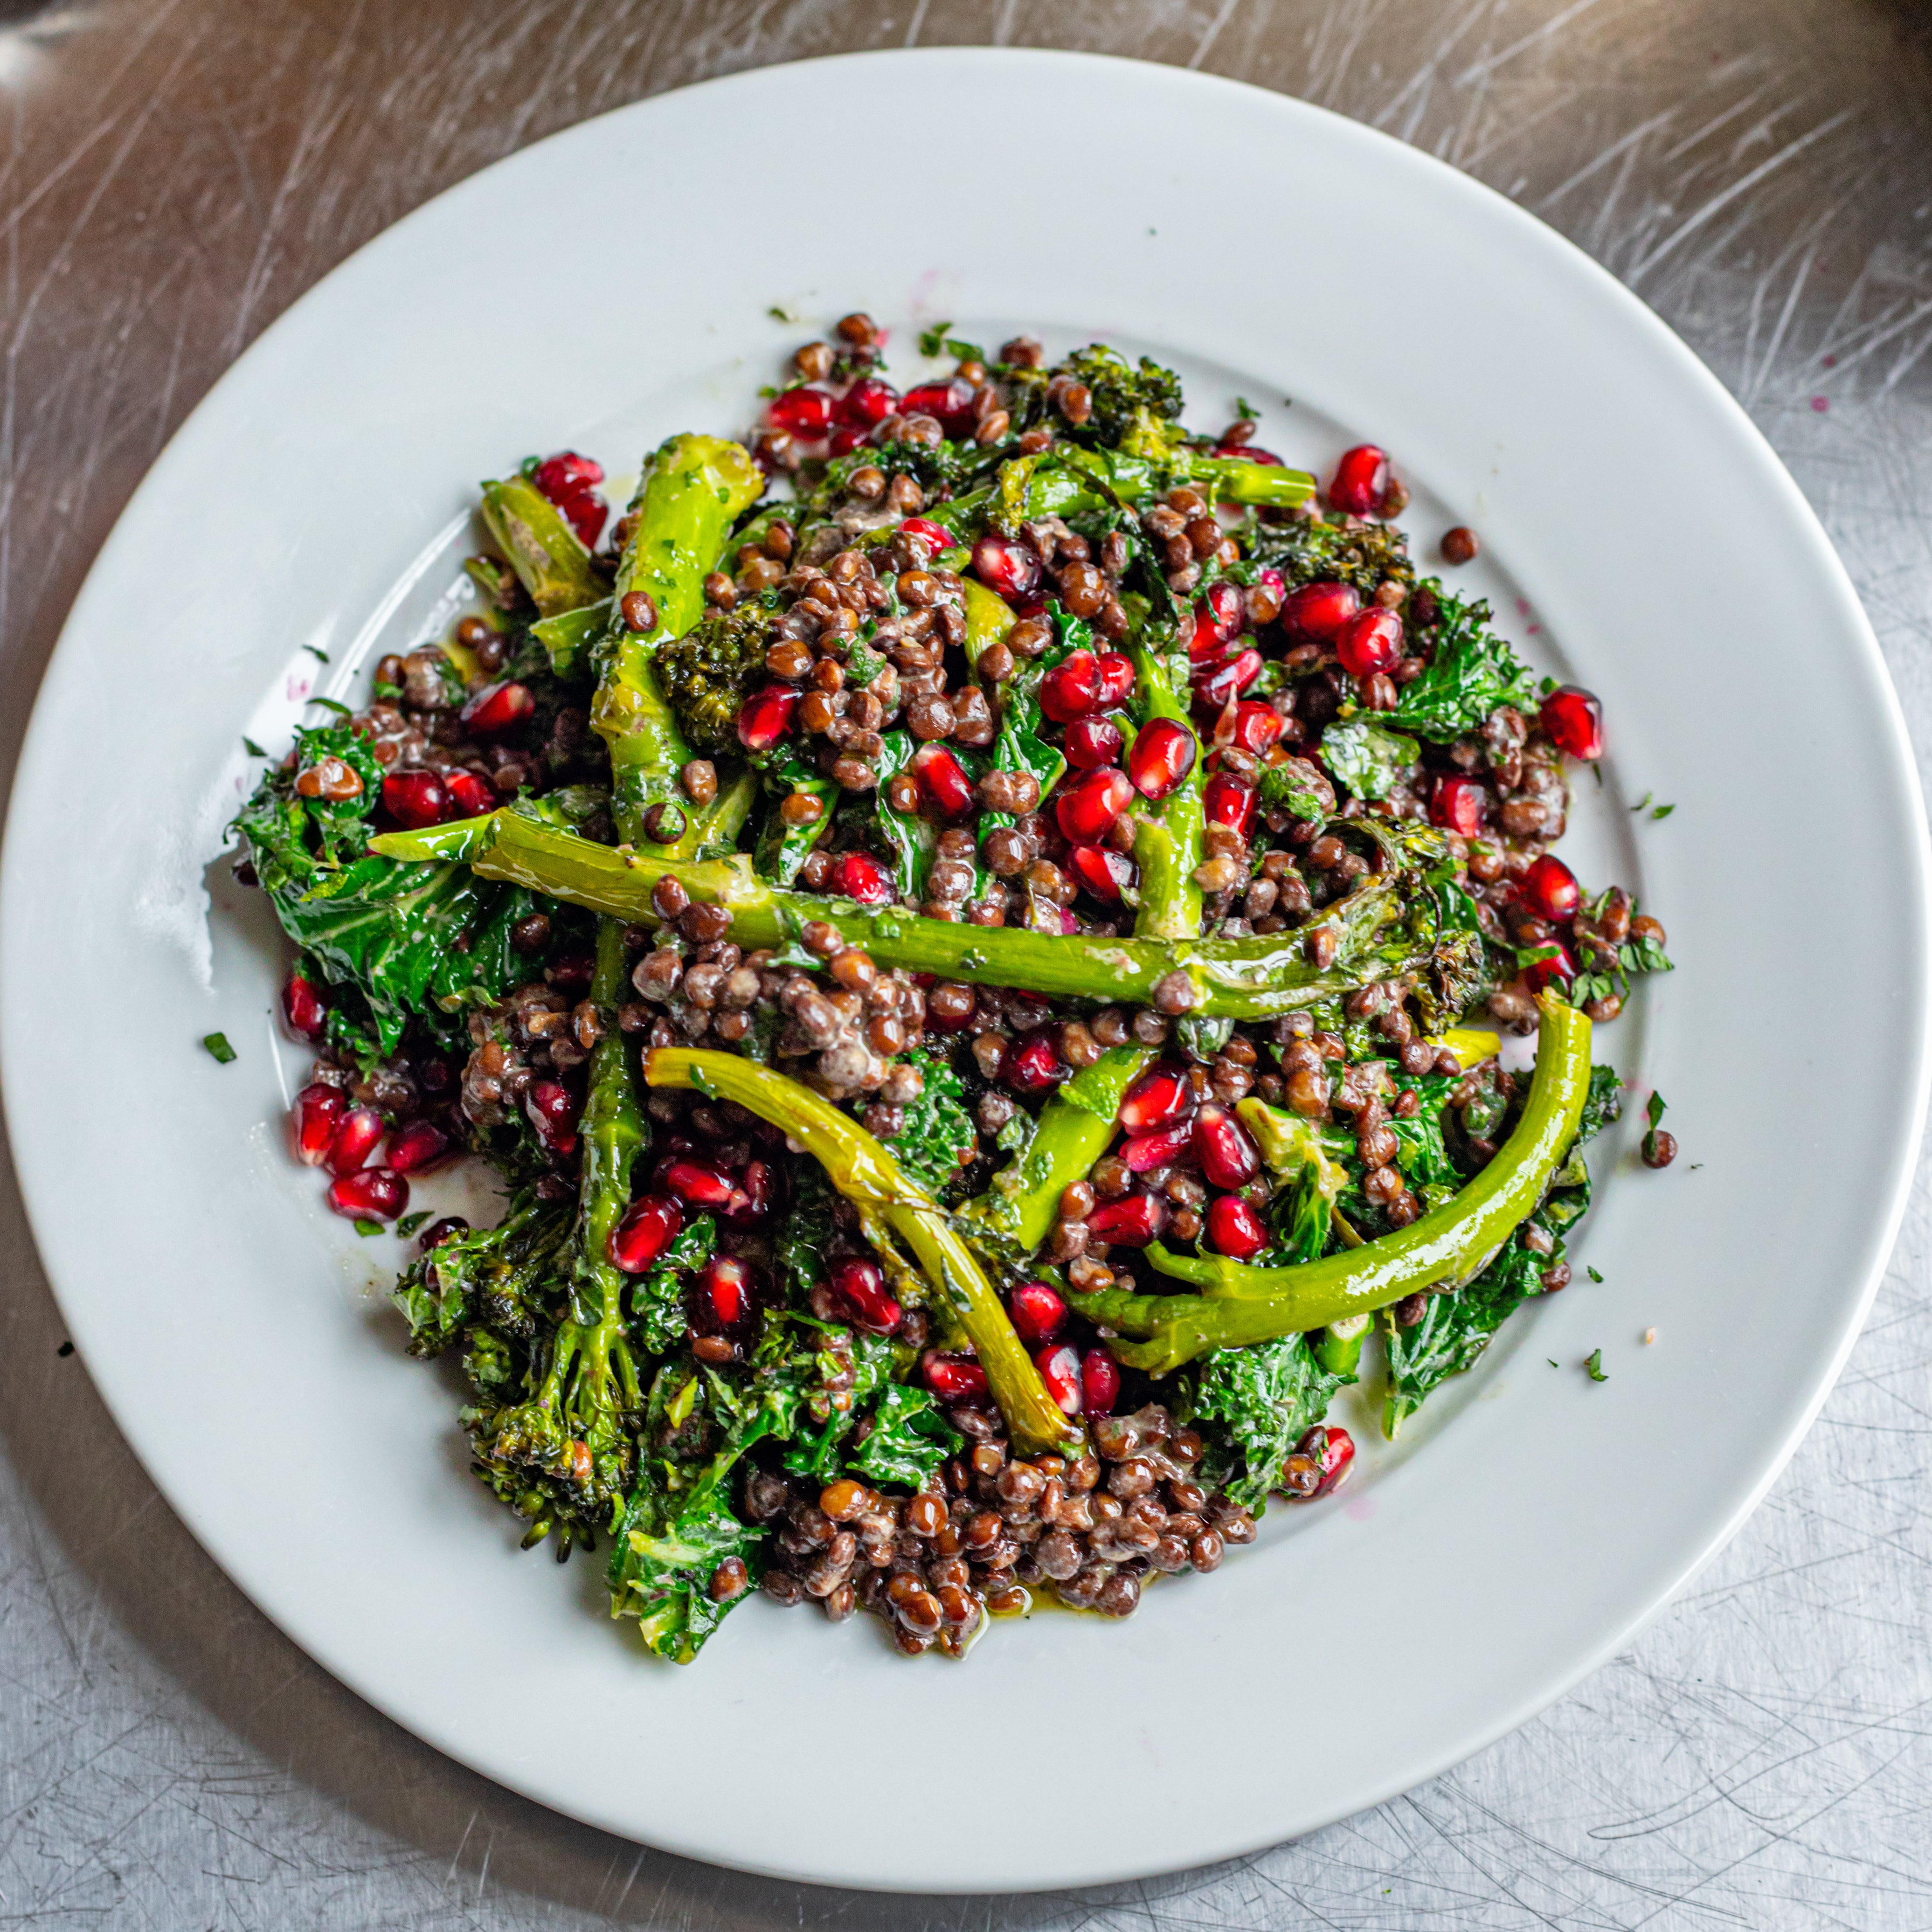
174	172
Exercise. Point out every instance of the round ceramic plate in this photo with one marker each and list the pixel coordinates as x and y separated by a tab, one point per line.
1531	1518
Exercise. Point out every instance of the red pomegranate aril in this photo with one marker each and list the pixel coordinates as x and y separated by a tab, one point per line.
585	514
1360	480
869	401
1248	452
1234	1229
1099	1382
1334	1449
1369	642
951	401
1010	569
1228	680
415	799
1038	1312
303	1012
1059	1366
1572	721
1550	889
1458	805
723	1292
936	536
553	1110
1143	1152
355	1140
860	1284
1072	689
1033	1064
1229	1158
1221	605
805	412
650	1224
942	781
1316	611
859	876
697	1183
420	1144
566	474
1092	742
470	796
953	1378
1116	680
318	1114
1229	802
1163	1094
765	717
1105	873
752	1199
1085	809
1558	968
1163	754
1205	644
1256	726
369	1194
846	438
497	707
1130	1223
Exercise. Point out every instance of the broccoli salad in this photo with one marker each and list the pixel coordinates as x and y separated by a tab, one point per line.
975	927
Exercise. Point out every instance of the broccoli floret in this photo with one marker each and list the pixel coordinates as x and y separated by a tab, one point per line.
1138	410
709	673
1308	550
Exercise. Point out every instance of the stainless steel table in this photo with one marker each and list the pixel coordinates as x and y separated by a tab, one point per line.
176	172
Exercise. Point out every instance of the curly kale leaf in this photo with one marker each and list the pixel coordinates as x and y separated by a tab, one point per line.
1253	1405
1370	760
1472	670
1307	550
1603	1105
872	1363
1424	1159
910	1438
939	1137
709	673
799	1250
657	1302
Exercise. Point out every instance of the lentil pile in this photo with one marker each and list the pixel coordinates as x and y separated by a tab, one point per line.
1039	868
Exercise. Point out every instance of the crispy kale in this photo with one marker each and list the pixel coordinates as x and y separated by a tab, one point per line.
708	672
1471	671
1253	1406
486	1278
1370	760
939	1138
1307	549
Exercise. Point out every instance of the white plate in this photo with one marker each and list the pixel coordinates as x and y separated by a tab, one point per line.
613	284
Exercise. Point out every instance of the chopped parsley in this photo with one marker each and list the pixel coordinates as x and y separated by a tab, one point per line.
1595	1365
216	1044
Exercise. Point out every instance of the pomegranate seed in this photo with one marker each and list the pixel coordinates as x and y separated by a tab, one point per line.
553	1111
1256	726
765	717
1162	1094
1229	1158
951	401
1248	452
859	876
1550	889
571	973
1334	1449
318	1114
1163	755
844	440
697	1183
805	412
860	1284
1093	742
869	401
1116	680
586	514
418	1145
943	780
1558	967
937	536
1010	569
1059	1366
1072	689
303	1012
1234	1229
1218	618
1086	808
1228	680
1360	480
953	1378
650	1224
369	1194
1037	1311
496	707
1458	805
753	1197
1143	1152
1317	611
1370	641
1033	1064
1228	801
416	798
1130	1223
566	474
471	796
355	1140
1572	721
723	1292
1105	873
1099	1382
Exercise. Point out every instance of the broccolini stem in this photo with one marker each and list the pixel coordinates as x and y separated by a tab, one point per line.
569	637
550	562
1239	979
867	1175
1238	1304
1168	836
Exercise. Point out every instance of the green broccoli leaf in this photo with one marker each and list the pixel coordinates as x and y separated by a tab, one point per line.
1369	760
1253	1405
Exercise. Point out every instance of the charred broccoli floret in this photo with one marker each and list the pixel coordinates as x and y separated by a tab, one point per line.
1307	550
709	673
1136	410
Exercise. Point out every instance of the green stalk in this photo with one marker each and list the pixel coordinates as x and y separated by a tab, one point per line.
1167	835
1238	979
868	1177
1238	1304
552	565
570	636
